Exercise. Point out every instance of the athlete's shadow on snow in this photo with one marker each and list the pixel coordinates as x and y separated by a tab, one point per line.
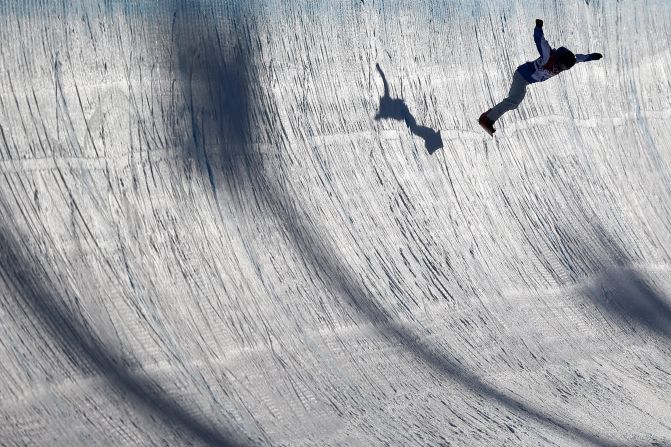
397	109
221	112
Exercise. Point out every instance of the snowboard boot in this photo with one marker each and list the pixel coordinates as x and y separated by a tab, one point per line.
486	123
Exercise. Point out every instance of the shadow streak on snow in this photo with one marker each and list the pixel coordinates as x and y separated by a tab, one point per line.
589	254
83	348
86	352
619	290
334	274
214	74
629	296
397	109
240	158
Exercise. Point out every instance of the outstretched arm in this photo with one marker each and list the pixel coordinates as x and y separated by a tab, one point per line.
542	45
384	81
588	57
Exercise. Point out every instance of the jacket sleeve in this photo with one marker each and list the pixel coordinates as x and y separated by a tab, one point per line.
583	57
542	45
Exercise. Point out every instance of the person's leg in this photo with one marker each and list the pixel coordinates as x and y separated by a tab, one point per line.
517	91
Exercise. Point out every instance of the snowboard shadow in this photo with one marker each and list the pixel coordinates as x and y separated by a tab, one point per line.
397	109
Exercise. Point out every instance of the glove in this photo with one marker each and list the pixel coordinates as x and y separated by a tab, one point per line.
595	56
539	23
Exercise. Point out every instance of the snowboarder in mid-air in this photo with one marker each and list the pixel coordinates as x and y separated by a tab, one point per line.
550	63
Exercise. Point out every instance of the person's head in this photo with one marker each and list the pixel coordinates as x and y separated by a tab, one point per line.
565	59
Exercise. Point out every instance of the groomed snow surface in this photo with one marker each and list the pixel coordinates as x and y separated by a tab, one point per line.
216	229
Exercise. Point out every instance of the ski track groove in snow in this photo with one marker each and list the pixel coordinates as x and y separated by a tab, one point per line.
206	238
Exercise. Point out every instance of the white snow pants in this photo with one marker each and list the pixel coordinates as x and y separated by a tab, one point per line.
517	91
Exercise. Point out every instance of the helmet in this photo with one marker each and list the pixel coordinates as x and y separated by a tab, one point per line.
565	58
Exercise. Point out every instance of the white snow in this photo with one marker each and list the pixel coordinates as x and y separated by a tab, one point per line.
206	237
